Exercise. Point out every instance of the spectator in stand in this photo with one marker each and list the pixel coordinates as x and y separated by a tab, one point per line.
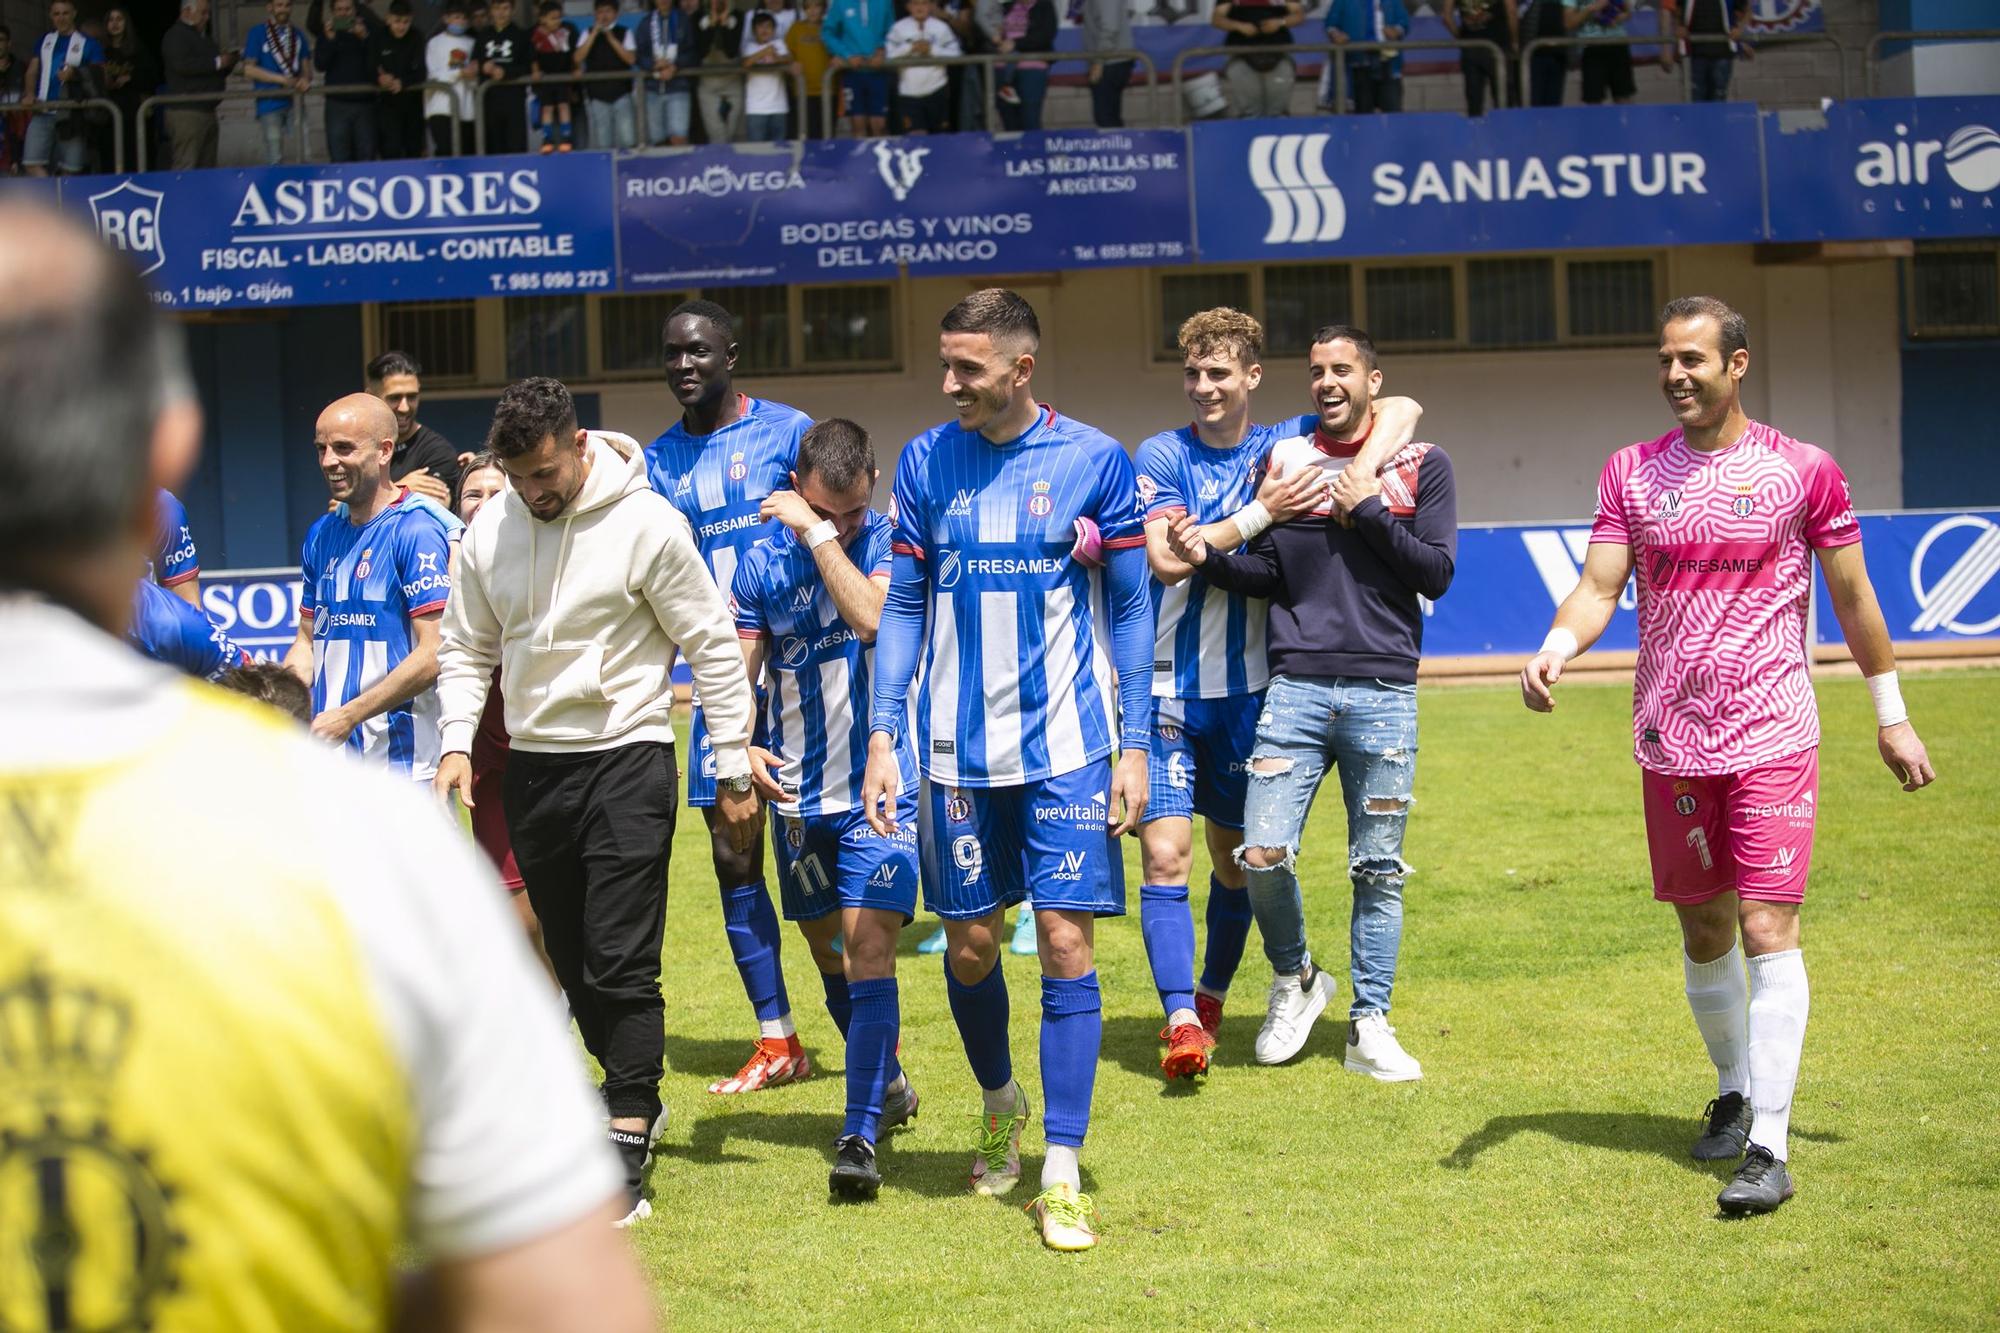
555	61
968	82
1024	27
805	41
764	101
718	40
1260	80
923	93
448	58
56	73
13	84
658	42
1496	21
856	33
1107	26
1606	69
400	69
1548	68
131	75
193	65
608	49
481	19
1710	34
276	53
1374	78
344	59
506	52
424	460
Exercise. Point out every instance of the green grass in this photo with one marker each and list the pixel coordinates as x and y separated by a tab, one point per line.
1537	1175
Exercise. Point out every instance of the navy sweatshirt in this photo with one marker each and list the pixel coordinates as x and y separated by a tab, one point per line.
1344	600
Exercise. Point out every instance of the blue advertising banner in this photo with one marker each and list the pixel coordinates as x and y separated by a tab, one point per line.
967	204
1505	590
1934	573
1926	166
1442	184
257	608
379	231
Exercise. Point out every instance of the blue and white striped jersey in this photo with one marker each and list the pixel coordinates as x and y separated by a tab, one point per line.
1018	659
718	480
168	630
821	674
1208	644
362	586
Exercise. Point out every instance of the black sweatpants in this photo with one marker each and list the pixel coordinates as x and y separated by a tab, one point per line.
591	835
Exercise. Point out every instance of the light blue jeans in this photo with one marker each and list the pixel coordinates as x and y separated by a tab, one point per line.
610	122
277	130
667	114
1367	730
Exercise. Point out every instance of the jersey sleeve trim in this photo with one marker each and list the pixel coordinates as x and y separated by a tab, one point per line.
429	607
184	576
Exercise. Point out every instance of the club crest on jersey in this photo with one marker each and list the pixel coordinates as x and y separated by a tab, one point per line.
738	469
1039	504
1147	489
961	504
361	570
1744	502
957	809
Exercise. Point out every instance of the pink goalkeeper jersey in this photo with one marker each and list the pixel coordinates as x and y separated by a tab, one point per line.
1722	551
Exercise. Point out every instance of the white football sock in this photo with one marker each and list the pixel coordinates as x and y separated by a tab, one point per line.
1779	1002
776	1029
1716	993
1002	1101
1180	1016
1059	1168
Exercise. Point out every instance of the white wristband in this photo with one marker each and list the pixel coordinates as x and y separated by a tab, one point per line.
820	533
1252	519
1562	643
1888	697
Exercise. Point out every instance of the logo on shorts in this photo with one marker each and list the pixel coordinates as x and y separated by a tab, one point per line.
1039	504
957	809
795	833
1801	809
884	877
1684	804
1071	869
1168	731
738	469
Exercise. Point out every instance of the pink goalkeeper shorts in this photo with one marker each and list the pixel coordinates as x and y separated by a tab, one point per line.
1751	831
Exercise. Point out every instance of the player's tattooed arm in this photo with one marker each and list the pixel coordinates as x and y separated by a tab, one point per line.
1867	635
1579	620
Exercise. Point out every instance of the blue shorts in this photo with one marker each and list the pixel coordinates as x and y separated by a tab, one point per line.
987	848
701	768
1201	758
835	860
864	92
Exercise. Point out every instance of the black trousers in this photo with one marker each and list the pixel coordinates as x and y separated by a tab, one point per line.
506	122
591	836
399	126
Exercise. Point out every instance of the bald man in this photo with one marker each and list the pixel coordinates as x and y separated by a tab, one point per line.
377	575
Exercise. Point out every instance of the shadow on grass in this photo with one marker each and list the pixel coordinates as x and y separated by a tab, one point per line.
1667	1136
1134	1044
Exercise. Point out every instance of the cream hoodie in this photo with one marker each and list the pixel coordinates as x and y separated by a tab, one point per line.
583	615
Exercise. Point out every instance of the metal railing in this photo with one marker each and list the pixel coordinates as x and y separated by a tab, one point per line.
1329	49
300	131
638	78
990	86
1777	41
111	110
1872	56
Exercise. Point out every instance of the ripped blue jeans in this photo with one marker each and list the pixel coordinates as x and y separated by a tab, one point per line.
1367	730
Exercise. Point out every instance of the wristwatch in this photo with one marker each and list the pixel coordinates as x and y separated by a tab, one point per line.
739	784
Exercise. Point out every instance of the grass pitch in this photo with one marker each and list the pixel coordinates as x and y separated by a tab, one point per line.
1537	1175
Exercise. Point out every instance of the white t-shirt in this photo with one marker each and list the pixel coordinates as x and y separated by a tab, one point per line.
906	33
764	94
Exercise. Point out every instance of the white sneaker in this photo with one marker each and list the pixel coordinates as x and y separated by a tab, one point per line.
1372	1049
1290	1018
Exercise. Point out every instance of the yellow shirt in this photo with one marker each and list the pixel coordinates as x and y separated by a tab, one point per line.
232	1019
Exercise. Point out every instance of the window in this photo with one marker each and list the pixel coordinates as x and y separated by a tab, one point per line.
545	336
763	326
1954	292
1611	300
629	331
1411	304
1184	294
441	335
1510	302
847	326
1302	299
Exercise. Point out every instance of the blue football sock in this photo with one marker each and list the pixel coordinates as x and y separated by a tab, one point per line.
871	1053
839	1000
753	941
981	1014
1228	929
1072	1032
1168	925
